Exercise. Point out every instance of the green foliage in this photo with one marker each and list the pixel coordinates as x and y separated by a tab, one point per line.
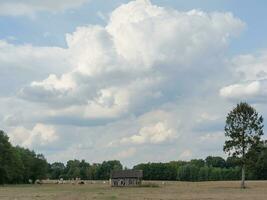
233	161
73	169
261	165
204	173
18	165
194	170
188	172
197	162
243	129
215	162
10	162
56	170
158	171
83	170
104	170
34	166
257	162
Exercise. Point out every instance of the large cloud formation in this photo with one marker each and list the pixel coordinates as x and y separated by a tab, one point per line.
134	61
148	80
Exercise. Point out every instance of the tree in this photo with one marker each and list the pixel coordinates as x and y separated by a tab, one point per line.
232	162
10	162
103	172
5	154
198	162
216	161
84	170
261	165
188	172
204	173
73	169
243	129
56	170
39	168
257	162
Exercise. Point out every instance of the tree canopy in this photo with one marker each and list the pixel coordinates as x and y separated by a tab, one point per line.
243	129
18	165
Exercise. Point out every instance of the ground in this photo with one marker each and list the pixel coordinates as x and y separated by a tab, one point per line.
257	190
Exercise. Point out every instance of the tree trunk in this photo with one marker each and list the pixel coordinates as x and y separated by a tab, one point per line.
243	177
243	161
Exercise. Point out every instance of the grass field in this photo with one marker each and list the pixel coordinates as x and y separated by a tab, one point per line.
257	190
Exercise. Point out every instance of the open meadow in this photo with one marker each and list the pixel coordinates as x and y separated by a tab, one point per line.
257	190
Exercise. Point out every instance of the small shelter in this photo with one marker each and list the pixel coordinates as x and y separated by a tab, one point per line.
122	178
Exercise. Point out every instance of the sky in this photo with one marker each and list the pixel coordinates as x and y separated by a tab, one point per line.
137	81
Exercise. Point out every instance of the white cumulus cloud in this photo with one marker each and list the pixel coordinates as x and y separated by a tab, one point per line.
241	90
131	62
250	73
151	134
39	135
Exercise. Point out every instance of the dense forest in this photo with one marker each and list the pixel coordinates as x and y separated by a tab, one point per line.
20	165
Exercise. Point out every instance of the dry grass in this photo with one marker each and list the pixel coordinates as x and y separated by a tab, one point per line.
257	190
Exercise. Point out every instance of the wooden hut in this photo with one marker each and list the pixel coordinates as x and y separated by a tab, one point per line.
124	178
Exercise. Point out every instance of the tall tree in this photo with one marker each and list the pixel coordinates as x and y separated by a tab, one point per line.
243	129
11	166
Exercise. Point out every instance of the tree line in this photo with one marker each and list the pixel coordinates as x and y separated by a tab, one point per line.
19	165
210	169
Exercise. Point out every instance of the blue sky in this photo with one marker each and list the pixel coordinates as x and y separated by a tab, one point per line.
99	80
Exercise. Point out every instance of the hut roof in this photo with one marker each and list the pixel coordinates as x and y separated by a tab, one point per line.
126	174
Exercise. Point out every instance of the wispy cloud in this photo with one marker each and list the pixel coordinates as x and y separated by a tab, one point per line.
31	7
